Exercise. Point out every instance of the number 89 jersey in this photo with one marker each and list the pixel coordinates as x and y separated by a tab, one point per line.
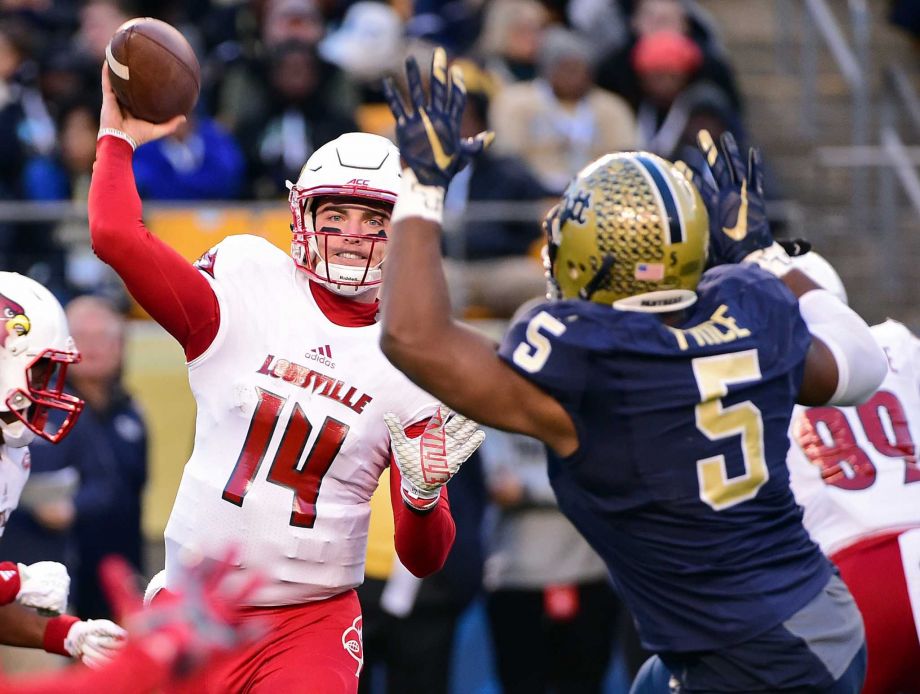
680	482
290	439
854	469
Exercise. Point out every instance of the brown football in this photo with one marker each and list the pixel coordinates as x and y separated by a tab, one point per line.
153	70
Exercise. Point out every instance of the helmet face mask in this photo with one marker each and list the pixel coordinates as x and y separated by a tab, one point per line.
35	351
45	379
631	231
359	167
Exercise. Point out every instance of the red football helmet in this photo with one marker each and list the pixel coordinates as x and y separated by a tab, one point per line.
35	350
354	165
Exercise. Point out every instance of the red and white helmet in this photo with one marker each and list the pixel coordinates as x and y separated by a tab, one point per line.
35	349
354	165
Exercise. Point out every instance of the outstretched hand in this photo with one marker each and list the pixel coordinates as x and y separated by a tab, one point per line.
428	131
733	196
114	115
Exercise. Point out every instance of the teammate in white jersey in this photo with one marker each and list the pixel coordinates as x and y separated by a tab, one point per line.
855	472
35	350
292	392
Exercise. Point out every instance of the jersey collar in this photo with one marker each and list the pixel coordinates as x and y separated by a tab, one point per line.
343	311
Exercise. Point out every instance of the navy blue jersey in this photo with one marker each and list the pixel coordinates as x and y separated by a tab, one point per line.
680	480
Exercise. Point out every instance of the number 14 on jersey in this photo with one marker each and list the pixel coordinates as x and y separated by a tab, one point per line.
305	481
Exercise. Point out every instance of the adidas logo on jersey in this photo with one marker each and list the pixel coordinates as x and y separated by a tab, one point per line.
321	354
7	575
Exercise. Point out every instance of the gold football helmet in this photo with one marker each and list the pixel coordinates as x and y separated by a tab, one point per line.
631	231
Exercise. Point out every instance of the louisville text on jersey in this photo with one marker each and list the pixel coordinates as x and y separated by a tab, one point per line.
317	382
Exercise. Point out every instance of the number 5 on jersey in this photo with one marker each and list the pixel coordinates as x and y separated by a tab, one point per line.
284	471
713	376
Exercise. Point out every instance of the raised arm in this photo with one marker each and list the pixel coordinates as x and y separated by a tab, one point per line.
454	363
166	285
844	364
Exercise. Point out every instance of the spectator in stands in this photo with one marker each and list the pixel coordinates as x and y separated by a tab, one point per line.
675	104
604	23
454	24
410	623
99	19
491	263
201	161
553	613
13	151
66	77
561	121
243	65
510	39
369	44
65	173
616	72
300	116
108	447
26	130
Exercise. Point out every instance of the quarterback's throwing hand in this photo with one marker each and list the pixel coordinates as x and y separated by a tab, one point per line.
428	131
428	462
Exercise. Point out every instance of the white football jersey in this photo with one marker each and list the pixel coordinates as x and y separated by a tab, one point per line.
290	439
854	469
15	465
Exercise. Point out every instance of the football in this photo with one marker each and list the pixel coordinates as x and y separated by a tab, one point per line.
153	70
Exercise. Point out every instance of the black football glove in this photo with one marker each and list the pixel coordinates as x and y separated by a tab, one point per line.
738	223
428	132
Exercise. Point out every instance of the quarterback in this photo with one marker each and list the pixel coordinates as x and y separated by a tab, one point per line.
298	410
663	394
35	350
854	471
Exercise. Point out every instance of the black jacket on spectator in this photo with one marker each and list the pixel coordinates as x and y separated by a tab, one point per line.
109	451
501	178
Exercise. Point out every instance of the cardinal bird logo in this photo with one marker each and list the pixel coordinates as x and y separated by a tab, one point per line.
14	319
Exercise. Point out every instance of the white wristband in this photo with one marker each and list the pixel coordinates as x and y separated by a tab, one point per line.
418	200
773	259
120	134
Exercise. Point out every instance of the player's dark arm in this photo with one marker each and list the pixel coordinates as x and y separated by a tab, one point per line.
21	626
844	364
455	364
167	286
24	627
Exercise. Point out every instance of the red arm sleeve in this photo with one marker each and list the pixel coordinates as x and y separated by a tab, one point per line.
423	540
169	288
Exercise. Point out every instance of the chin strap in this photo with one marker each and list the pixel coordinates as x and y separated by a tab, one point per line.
594	284
16	435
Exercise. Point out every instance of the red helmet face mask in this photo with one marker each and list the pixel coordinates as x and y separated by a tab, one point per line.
35	350
45	378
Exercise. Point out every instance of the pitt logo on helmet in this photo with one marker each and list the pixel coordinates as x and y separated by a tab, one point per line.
14	319
632	232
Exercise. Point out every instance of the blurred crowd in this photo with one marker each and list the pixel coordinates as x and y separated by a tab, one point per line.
559	81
